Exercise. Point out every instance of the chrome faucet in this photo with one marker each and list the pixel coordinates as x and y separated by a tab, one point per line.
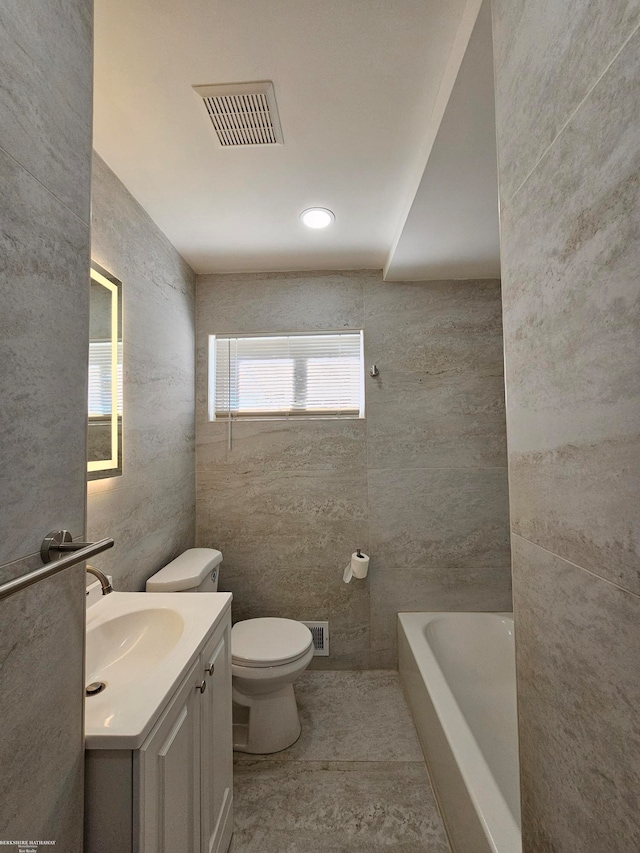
104	580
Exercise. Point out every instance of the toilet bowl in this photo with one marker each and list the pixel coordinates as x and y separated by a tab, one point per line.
267	655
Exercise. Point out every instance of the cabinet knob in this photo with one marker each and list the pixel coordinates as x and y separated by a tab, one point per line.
210	669
202	686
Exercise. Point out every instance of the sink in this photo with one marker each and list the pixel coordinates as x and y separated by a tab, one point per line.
123	646
140	645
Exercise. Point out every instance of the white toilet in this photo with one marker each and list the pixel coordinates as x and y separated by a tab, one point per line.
267	657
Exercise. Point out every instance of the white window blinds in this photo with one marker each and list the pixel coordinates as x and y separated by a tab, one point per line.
100	378
317	375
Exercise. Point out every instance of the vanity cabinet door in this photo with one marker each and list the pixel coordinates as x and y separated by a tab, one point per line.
217	744
169	775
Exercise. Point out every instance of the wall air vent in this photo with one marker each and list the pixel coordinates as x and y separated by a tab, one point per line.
243	113
320	634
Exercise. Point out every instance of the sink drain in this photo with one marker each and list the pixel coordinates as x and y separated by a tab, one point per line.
94	688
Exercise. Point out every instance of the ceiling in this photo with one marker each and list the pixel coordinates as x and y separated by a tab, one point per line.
451	228
387	115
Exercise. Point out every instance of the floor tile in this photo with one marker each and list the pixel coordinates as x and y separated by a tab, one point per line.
326	807
351	716
354	781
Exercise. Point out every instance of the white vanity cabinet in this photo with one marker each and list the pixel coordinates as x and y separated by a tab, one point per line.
174	793
166	772
216	755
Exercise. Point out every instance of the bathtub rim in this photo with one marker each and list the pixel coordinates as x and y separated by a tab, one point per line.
498	822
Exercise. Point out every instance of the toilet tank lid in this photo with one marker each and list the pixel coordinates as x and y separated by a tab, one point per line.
185	572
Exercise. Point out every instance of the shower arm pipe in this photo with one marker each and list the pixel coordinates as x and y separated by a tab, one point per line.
58	540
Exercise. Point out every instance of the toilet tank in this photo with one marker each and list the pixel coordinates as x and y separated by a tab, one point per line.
195	570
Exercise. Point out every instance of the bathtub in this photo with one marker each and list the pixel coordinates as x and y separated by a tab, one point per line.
458	671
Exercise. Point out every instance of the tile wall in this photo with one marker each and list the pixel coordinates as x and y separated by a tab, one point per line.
149	510
45	167
420	484
568	115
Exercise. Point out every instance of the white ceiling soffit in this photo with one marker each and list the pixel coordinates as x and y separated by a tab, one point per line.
356	84
451	225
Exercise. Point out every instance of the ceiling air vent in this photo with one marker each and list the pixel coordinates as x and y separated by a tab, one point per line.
243	113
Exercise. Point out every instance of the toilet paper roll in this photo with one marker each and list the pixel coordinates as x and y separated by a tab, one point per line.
359	565
357	568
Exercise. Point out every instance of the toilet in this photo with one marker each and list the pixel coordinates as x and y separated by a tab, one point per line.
267	655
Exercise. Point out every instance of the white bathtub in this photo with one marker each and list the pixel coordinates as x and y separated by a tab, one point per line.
458	670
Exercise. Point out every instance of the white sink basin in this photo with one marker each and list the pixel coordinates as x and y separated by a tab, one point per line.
140	645
124	646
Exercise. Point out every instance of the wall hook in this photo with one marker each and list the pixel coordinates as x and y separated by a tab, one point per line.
374	371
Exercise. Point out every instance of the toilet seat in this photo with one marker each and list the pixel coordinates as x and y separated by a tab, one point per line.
269	642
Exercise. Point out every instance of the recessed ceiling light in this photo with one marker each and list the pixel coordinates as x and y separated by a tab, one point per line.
317	217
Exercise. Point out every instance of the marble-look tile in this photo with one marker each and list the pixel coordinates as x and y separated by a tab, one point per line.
165	330
46	95
416	422
282	445
155	389
126	237
435	329
284	519
580	501
386	658
158	420
402	590
287	505
158	285
326	807
307	594
351	716
45	146
151	524
548	55
572	313
281	302
344	655
578	647
289	502
22	566
43	345
150	510
41	708
202	378
439	517
159	451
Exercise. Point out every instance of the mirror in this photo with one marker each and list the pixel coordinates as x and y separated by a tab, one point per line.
104	433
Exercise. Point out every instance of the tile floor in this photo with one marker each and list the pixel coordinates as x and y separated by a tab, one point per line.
354	781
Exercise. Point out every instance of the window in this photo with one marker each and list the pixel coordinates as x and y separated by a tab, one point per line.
292	375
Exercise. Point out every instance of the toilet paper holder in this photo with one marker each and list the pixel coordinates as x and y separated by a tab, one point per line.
354	568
